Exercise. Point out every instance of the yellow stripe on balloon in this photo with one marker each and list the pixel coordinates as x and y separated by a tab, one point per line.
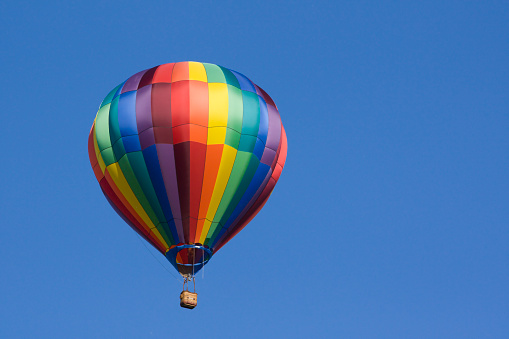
197	71
225	169
216	136
118	177
218	105
205	230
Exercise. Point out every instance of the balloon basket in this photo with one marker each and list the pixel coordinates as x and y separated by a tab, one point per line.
188	299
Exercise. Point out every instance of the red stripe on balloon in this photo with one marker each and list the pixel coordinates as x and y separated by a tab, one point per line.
182	166
197	167
163	73
284	148
180	103
161	105
147	78
91	150
212	162
198	118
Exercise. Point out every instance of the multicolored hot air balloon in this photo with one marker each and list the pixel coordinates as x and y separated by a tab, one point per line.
187	154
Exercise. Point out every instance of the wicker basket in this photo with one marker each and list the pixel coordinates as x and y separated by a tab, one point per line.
188	299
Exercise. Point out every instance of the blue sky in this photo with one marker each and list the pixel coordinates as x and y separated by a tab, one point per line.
390	219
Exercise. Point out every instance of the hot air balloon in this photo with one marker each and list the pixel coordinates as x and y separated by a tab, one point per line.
187	154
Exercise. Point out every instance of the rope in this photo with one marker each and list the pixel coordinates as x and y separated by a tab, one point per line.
203	266
194	258
152	254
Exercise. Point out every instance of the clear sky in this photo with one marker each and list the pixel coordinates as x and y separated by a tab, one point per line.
390	219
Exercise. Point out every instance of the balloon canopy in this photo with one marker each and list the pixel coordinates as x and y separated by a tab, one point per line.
187	154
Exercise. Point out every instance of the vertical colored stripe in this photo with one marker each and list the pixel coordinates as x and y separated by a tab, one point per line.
182	167
163	74
223	174
168	171
180	72
212	163
197	71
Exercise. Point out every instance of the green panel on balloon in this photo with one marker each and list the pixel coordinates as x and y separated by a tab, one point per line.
118	149
167	234
214	225
214	233
110	95
230	78
214	73
102	130
240	166
164	232
251	108
114	128
108	156
232	138
235	108
241	189
125	166
247	143
137	162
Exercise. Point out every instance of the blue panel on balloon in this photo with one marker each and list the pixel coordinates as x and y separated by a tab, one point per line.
263	130
244	82
219	235
154	171
259	176
258	149
119	89
131	143
127	120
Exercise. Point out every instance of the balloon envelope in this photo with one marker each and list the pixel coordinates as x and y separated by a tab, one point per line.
187	154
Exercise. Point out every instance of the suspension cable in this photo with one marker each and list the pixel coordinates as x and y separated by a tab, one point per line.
160	263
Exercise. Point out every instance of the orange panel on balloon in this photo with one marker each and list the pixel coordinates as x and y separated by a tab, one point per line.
212	162
180	72
198	134
199	228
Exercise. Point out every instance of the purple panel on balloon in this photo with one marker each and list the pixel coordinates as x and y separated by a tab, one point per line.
143	109
132	83
147	138
167	163
268	156
274	135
